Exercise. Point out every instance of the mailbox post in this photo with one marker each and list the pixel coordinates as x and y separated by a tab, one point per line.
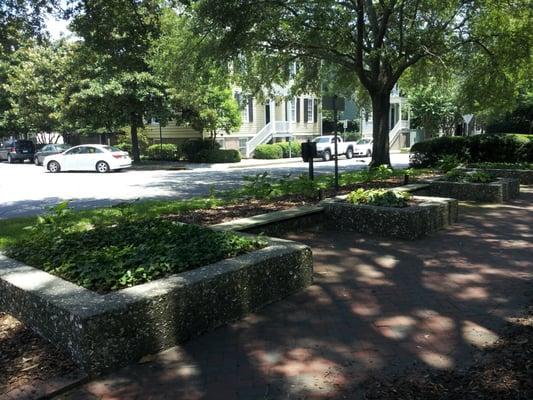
336	104
308	155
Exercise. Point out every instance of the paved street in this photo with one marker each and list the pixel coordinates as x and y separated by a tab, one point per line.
27	190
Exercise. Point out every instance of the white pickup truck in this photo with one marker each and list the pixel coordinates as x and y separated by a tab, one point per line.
325	147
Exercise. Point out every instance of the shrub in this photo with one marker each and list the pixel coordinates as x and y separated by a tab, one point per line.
353	136
448	162
126	254
192	147
379	197
218	156
526	152
428	152
493	148
296	148
167	152
268	152
470	177
124	146
488	165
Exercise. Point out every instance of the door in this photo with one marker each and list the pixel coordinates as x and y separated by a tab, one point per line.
267	113
70	160
88	158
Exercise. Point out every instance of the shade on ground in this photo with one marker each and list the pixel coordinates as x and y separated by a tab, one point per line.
377	306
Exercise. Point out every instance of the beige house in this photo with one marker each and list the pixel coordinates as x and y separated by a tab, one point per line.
262	122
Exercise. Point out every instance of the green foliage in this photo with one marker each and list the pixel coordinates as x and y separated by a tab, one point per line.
489	165
478	148
470	177
353	136
191	148
165	151
379	197
129	253
217	156
268	152
448	162
295	147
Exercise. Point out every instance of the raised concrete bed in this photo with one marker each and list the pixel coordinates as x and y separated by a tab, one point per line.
524	176
495	192
427	215
101	332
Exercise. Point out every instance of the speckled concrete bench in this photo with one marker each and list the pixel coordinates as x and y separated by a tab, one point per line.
429	215
107	331
499	191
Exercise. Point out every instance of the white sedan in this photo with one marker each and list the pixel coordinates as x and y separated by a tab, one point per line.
363	147
88	157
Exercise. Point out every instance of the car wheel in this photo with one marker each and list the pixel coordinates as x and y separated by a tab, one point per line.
349	153
9	159
369	153
326	156
36	161
54	167
102	167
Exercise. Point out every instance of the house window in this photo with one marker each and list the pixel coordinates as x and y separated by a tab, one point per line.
242	145
220	142
293	70
248	110
309	111
292	114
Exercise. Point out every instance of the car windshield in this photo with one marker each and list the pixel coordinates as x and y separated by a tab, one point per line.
321	140
111	148
363	141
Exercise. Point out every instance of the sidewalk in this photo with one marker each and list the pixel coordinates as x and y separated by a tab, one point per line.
377	306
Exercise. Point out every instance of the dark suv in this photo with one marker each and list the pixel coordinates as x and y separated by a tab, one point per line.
13	150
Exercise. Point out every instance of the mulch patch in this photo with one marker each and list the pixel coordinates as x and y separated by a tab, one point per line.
503	371
26	358
251	207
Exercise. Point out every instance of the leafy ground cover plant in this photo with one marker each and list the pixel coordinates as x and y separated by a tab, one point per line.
379	197
501	165
469	177
133	251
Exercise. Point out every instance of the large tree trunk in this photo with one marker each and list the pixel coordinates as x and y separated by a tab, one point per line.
380	129
135	140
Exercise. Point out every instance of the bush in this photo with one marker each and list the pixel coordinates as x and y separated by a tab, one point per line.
218	156
191	148
429	152
268	152
353	136
124	146
479	148
471	177
296	148
379	197
166	152
487	165
126	254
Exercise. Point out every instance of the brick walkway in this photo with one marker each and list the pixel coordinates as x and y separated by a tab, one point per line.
376	306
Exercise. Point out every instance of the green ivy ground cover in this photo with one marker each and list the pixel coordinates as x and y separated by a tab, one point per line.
106	258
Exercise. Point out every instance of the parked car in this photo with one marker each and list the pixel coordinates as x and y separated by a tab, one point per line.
17	150
48	150
325	147
88	157
363	147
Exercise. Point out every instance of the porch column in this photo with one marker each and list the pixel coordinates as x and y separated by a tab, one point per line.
400	111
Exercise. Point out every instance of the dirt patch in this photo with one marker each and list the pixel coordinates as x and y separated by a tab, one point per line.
504	371
251	207
26	358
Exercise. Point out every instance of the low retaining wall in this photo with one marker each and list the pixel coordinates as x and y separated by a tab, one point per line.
428	216
495	192
101	332
524	176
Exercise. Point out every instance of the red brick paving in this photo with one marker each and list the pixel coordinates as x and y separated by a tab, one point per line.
376	306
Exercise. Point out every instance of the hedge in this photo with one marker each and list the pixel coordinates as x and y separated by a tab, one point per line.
268	152
192	148
478	148
166	152
218	156
124	146
296	148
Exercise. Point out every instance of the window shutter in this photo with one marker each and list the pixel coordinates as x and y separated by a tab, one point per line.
297	109
315	111
250	109
286	113
238	98
306	110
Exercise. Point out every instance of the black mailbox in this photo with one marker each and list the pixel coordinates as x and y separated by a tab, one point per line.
308	150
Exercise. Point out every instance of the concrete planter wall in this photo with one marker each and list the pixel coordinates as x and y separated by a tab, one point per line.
524	176
495	192
101	332
427	216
